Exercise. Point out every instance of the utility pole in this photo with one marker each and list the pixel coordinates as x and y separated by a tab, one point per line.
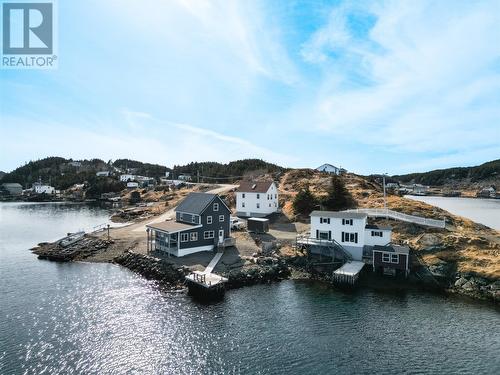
385	196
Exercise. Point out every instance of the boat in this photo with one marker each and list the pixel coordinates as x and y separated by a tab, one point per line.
71	238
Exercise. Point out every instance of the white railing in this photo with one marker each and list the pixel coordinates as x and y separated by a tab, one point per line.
385	212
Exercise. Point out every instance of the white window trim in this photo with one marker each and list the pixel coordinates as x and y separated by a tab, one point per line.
184	237
216	206
243	204
258	205
209	219
193	236
208	234
397	258
388	257
221	218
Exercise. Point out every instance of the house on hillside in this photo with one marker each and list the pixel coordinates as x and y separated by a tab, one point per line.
103	174
185	177
349	234
489	192
12	189
127	177
256	198
330	169
202	222
41	188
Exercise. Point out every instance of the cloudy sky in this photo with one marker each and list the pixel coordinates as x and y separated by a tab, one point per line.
385	86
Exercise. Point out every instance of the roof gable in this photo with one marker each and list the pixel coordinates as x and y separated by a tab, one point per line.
247	186
196	203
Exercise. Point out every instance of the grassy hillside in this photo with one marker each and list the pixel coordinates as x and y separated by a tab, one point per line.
489	172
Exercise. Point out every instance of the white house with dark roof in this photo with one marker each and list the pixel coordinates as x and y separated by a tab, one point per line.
202	222
350	230
256	198
328	168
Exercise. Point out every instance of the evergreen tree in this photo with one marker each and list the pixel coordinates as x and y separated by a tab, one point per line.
338	197
304	202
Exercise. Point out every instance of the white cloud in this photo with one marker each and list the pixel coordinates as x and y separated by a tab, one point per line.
425	78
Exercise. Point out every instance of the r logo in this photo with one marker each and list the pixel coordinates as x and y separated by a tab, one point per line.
27	28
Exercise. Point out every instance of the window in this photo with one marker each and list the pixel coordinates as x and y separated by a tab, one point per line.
269	204
243	195
324	235
376	233
184	237
208	234
258	205
324	220
346	221
349	237
194	236
216	206
385	257
209	219
221	218
394	258
275	196
243	204
258	196
194	219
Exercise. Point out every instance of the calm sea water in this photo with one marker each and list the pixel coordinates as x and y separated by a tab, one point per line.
484	211
102	319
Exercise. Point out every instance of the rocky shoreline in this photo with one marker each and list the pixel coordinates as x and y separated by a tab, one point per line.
274	269
171	276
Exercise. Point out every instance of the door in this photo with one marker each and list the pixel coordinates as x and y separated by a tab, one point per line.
221	235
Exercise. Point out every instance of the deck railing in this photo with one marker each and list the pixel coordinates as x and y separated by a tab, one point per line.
385	212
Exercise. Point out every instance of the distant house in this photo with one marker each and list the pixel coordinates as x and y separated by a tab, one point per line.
185	177
330	169
127	177
41	188
76	164
103	174
489	192
132	185
392	185
202	222
145	181
256	198
419	189
12	189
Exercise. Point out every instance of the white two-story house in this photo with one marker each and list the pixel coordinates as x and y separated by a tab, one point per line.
350	230
256	199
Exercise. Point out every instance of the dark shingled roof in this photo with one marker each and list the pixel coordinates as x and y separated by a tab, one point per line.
247	186
195	203
392	248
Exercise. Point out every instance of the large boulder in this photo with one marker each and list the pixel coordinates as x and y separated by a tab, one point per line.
460	282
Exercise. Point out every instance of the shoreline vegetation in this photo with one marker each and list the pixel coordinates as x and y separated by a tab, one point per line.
462	259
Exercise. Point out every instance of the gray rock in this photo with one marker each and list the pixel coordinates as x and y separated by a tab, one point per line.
461	282
470	285
495	285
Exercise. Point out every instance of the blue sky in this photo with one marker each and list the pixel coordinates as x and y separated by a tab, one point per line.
376	86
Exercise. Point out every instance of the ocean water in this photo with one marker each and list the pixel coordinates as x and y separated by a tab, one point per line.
85	318
484	211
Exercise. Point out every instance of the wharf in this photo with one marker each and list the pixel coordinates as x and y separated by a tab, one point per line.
348	273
